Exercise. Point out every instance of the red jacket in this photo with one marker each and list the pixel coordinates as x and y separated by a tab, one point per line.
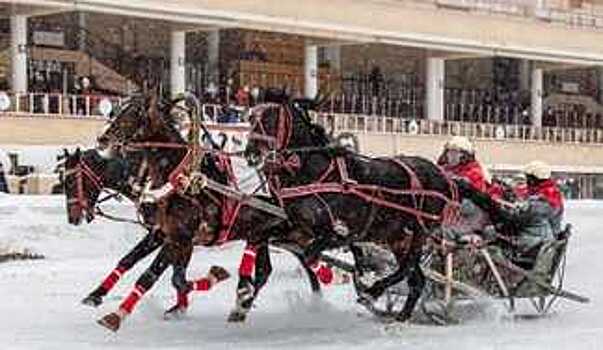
473	173
521	191
549	191
496	191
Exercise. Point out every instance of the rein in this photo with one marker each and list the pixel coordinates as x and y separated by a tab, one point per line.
82	171
115	218
336	180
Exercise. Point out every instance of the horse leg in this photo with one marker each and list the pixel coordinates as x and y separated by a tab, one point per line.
400	249
179	282
358	272
146	246
246	289
263	268
378	288
416	283
314	282
112	321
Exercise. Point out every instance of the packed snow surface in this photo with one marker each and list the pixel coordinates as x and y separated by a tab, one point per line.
40	300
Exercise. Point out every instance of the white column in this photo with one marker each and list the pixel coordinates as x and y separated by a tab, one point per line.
82	34
524	75
177	63
311	71
537	75
213	54
18	45
435	75
540	4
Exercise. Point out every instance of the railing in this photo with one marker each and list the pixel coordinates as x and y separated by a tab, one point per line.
547	10
58	105
357	121
524	133
404	107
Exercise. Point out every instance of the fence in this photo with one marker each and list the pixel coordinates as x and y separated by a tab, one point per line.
545	10
524	133
59	105
345	114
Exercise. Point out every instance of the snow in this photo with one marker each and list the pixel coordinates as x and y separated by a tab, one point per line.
42	158
40	309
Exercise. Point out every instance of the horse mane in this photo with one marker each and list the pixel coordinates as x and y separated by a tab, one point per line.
114	169
170	123
276	95
301	118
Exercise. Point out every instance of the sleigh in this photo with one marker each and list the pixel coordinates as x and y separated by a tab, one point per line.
462	275
468	273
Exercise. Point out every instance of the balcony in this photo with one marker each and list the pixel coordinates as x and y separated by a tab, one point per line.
548	11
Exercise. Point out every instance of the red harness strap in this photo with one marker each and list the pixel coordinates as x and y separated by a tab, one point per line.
372	193
81	171
364	192
342	183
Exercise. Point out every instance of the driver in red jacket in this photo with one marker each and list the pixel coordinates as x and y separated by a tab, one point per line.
458	159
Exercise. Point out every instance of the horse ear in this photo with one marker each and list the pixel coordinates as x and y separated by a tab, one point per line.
65	152
78	152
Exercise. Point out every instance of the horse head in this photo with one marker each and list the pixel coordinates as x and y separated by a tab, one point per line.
86	174
277	128
152	126
140	118
82	183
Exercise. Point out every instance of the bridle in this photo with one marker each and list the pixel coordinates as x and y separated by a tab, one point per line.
279	156
82	171
284	126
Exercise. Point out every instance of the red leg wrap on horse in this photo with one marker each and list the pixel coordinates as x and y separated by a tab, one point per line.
247	262
132	299
183	299
323	272
112	279
202	285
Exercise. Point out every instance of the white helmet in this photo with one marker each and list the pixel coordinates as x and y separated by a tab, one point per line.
460	143
538	169
85	82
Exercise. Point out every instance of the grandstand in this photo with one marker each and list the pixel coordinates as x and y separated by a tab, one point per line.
523	78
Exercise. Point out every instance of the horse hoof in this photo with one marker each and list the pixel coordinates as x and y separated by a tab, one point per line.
237	317
366	299
111	321
176	312
92	300
403	318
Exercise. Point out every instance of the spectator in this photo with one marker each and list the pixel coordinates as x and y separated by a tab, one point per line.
242	96
3	182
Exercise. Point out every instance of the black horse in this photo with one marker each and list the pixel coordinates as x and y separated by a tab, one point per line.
207	216
339	198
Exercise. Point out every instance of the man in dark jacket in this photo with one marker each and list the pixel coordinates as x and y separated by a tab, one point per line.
539	217
532	221
3	182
